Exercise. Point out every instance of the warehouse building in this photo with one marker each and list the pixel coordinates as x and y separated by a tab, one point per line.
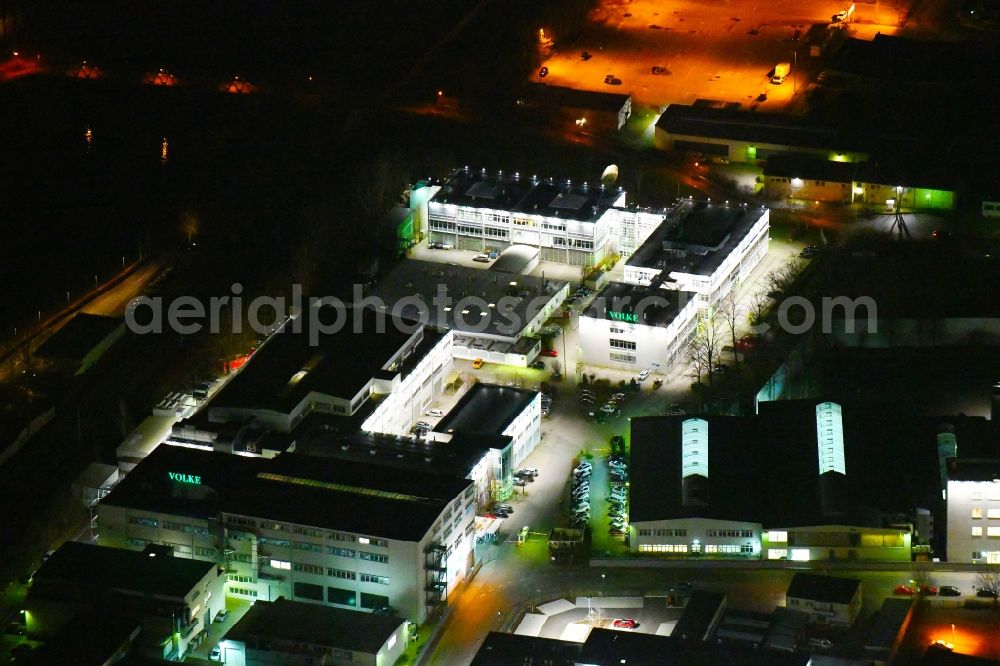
346	534
172	600
800	481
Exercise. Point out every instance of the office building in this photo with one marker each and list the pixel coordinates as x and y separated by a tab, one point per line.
347	534
571	223
974	511
633	327
825	599
702	247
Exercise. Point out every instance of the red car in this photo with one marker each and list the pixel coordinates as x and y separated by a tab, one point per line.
929	590
627	623
550	352
903	589
746	343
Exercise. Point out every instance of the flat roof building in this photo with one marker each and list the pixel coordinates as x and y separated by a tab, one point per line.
702	247
633	327
502	419
291	632
496	310
973	496
172	599
572	223
825	599
345	533
803	481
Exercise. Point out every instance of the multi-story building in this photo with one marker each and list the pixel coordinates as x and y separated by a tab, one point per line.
974	511
636	327
578	224
170	599
343	533
504	420
702	247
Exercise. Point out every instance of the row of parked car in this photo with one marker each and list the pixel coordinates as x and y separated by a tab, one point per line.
580	494
523	477
617	496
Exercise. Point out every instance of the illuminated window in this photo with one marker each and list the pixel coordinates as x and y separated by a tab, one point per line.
392	642
776	553
993	531
694	447
993	513
800	554
977	512
977	530
281	564
777	536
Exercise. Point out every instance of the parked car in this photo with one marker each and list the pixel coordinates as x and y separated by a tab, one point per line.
518	481
746	343
537	365
435	412
949	591
222	615
928	590
482	258
494	254
644	375
552	353
983	592
656	70
627	623
839	16
14	629
809	251
530	471
609	408
478	363
584	464
904	590
507	507
216	654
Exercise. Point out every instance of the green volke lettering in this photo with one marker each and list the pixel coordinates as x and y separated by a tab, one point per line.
624	316
184	478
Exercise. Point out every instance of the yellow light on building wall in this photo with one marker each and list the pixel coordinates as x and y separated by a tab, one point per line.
796	182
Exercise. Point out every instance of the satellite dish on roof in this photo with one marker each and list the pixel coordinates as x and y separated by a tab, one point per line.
610	175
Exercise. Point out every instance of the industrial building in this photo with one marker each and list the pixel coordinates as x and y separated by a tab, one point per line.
825	599
492	314
172	600
347	534
800	481
571	223
292	632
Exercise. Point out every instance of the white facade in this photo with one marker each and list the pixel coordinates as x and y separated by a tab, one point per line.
408	397
266	559
627	346
734	269
696	536
974	521
630	227
526	431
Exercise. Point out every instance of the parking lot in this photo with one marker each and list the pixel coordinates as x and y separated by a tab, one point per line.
720	51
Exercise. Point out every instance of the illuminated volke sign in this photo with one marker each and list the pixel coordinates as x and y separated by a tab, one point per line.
185	478
623	316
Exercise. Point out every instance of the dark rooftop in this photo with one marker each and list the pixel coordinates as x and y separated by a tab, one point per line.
287	367
775	128
745	454
696	237
89	639
521	193
77	564
701	612
500	649
941	656
606	647
354	496
313	624
893	60
831	589
654	306
973	469
515	306
580	99
80	335
790	165
908	172
485	409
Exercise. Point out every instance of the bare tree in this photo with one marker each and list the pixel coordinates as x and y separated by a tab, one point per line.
729	312
758	307
990	580
704	348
